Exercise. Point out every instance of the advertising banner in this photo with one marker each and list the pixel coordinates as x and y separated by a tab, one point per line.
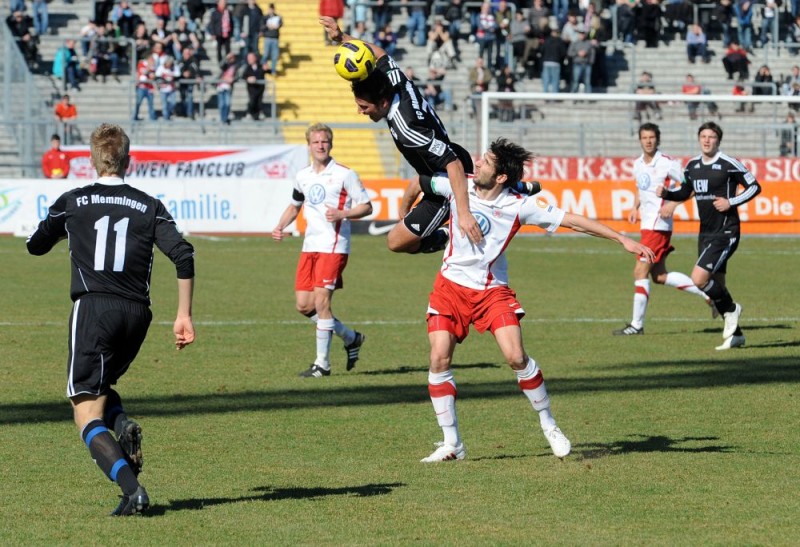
600	188
208	162
603	189
198	206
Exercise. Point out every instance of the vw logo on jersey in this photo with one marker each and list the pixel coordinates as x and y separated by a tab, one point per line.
316	194
483	222
643	181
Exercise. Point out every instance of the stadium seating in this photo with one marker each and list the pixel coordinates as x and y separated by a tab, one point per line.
307	91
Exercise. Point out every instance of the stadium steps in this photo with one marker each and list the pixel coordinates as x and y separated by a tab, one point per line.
112	101
10	158
308	89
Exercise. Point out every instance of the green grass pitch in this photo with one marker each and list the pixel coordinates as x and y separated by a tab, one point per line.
673	442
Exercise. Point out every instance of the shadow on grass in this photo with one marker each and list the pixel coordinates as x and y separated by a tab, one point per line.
409	369
747	328
649	443
723	370
267	493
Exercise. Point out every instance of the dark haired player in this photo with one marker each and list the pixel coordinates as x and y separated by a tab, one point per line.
472	289
112	228
421	137
714	177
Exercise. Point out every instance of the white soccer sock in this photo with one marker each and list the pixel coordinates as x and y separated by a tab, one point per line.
641	295
443	393
683	282
342	331
324	337
531	382
339	328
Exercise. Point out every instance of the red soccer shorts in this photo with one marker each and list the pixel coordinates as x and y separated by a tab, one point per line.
658	240
454	308
320	270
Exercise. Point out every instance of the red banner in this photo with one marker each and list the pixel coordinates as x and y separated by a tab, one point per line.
603	189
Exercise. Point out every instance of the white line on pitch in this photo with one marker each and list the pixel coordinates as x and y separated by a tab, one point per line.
259	322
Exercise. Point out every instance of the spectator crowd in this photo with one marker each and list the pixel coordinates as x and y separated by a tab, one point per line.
561	43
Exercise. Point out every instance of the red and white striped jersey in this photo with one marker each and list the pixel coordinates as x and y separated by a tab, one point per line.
662	171
484	266
337	187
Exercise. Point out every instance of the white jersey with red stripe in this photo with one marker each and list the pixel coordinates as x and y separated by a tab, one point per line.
661	171
484	266
337	187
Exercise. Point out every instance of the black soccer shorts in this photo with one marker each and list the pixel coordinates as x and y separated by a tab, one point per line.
105	334
714	251
429	214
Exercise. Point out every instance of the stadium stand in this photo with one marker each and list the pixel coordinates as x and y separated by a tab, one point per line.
305	90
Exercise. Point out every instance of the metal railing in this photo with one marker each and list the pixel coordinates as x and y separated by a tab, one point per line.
22	99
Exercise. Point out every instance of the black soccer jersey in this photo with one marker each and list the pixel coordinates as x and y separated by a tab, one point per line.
719	178
112	228
417	131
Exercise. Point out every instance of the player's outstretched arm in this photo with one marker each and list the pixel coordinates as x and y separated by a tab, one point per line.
338	36
466	222
585	225
183	327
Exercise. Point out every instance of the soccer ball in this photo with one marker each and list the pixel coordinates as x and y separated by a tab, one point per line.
354	60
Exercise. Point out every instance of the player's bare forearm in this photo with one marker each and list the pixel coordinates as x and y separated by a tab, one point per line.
413	190
337	35
594	228
359	211
287	217
458	182
667	209
183	327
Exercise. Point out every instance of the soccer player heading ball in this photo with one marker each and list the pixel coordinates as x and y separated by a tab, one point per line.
421	137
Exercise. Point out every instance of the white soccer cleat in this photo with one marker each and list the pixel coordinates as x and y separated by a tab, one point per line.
446	452
558	442
735	341
731	322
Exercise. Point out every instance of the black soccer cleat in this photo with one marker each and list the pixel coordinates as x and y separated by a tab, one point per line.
315	371
436	242
628	331
138	502
353	350
130	440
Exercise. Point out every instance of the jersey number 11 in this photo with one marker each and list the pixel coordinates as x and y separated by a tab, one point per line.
121	228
